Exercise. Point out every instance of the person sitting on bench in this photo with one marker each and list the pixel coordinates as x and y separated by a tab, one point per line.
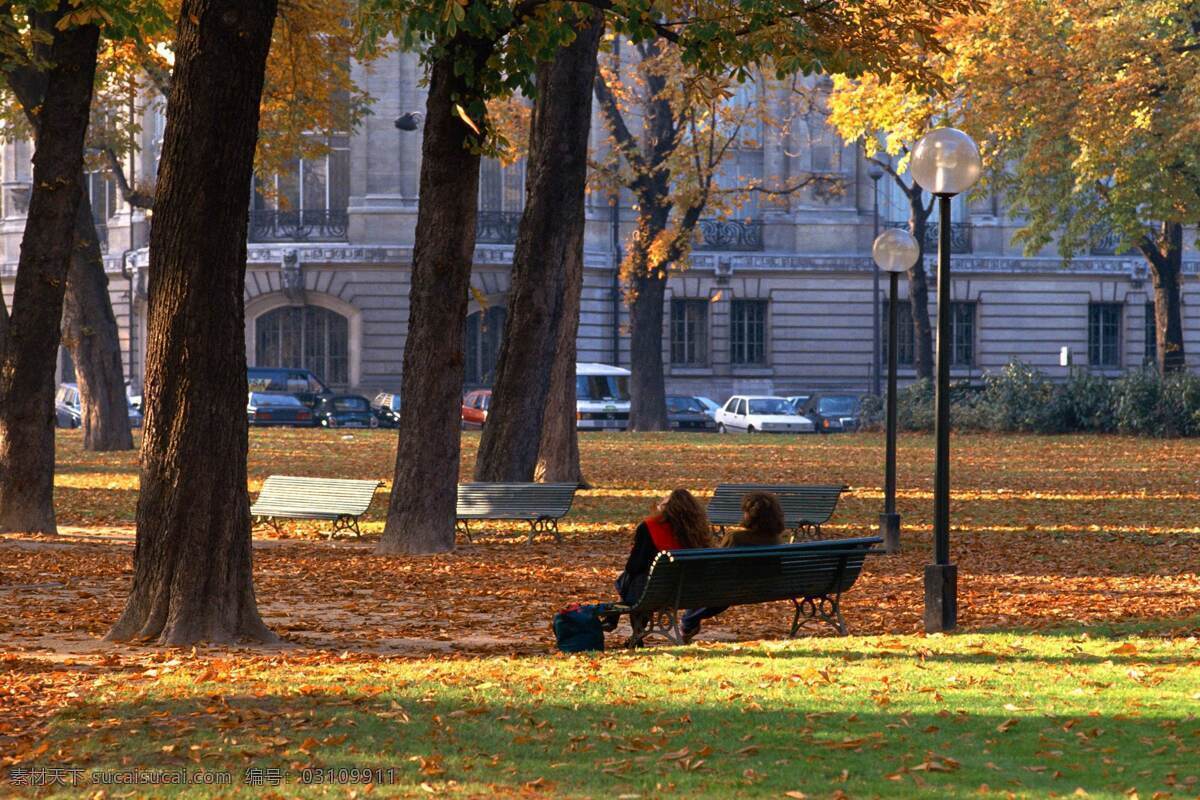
762	524
679	523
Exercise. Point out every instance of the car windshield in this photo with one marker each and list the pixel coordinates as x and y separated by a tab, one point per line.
602	387
280	400
836	405
771	405
350	404
706	403
682	405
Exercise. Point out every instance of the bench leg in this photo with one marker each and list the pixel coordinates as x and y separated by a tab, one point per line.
269	522
823	608
345	523
804	531
461	526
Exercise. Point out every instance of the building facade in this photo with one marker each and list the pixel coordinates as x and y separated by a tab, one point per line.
778	299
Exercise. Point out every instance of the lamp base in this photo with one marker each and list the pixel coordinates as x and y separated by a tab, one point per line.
941	597
889	529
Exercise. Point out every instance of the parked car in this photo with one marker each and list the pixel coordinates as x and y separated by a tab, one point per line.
711	407
344	411
688	414
798	401
68	411
299	383
475	408
601	397
263	408
743	413
387	409
833	413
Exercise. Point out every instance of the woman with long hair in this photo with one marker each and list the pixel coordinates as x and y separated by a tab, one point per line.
679	523
762	524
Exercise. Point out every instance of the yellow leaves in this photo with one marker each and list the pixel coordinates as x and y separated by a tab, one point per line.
1127	649
456	9
1007	725
462	114
85	15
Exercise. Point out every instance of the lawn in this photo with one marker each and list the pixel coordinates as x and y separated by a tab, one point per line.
1076	668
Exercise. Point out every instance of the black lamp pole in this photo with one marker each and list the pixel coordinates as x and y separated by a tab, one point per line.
889	520
875	174
941	577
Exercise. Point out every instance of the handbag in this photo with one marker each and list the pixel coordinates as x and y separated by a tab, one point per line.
579	628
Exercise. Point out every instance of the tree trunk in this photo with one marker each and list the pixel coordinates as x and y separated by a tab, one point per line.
918	288
549	239
558	459
422	505
89	331
647	384
32	337
192	561
1165	258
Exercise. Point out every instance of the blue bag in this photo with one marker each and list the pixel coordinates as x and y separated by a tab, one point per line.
578	628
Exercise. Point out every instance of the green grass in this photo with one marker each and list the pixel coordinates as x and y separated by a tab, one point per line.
1101	711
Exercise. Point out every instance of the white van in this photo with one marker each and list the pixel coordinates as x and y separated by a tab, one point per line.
601	397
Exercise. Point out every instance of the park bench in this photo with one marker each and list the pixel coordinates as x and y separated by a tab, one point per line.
813	575
805	507
542	505
338	500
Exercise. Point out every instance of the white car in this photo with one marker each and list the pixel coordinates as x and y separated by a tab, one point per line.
742	413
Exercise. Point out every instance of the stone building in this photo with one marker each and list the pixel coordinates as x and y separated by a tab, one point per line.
779	299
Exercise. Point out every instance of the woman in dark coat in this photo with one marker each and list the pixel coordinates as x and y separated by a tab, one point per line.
762	524
680	523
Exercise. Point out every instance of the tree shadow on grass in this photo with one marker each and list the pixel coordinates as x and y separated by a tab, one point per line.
591	744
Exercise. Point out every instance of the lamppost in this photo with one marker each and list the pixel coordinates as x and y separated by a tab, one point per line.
944	163
894	251
875	172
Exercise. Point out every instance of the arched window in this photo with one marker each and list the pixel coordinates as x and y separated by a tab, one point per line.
307	337
481	335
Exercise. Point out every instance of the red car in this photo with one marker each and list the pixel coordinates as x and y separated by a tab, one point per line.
475	408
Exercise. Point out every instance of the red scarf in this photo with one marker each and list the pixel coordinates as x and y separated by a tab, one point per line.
662	534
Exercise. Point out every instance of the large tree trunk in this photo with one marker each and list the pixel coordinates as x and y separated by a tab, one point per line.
558	456
89	331
422	505
549	239
647	383
32	337
1165	258
918	288
192	561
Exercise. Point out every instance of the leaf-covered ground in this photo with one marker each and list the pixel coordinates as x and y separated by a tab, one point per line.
1047	532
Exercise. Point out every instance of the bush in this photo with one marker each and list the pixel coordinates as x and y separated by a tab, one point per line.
914	407
1146	404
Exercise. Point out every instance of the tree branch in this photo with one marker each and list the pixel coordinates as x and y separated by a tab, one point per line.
625	141
135	197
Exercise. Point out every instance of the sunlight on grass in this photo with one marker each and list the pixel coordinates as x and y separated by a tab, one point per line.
893	716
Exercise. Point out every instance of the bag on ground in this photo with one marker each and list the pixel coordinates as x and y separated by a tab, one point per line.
578	628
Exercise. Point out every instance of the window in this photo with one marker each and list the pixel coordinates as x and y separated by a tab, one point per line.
306	201
305	337
1151	355
501	187
748	332
905	336
689	333
962	334
482	335
1104	335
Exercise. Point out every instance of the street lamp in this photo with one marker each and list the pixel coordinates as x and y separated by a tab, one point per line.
875	172
894	251
944	163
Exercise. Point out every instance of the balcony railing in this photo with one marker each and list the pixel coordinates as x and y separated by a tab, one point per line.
497	227
960	236
1105	242
729	234
307	225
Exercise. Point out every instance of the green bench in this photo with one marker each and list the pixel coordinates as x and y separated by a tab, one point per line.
813	575
805	507
542	505
340	501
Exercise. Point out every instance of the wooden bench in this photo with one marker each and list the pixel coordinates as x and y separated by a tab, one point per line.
338	500
813	575
542	505
805	507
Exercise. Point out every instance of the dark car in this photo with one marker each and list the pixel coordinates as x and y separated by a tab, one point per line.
387	409
264	408
300	383
344	411
688	414
475	408
833	413
68	412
